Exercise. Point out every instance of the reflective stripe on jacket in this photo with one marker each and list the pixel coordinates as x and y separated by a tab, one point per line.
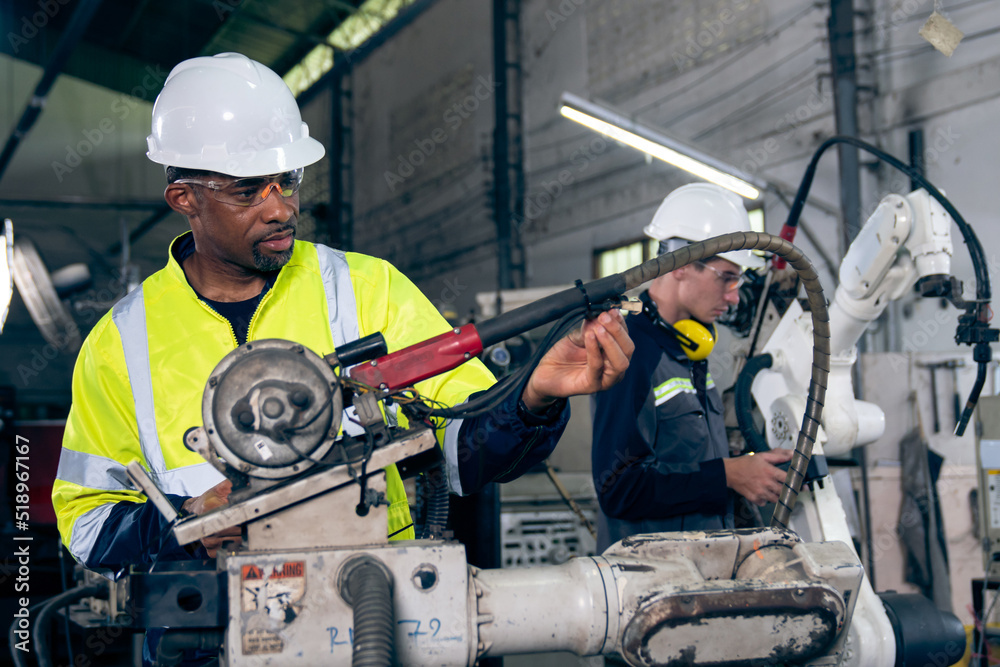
139	379
658	449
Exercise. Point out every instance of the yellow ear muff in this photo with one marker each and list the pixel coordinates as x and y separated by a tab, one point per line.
696	339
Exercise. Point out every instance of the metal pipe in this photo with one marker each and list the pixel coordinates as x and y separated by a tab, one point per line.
542	609
144	227
91	203
74	31
336	234
501	150
916	141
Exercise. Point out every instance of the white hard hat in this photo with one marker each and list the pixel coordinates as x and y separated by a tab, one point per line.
229	114
700	211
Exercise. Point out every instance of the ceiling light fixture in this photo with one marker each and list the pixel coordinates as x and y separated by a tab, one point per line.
655	143
6	276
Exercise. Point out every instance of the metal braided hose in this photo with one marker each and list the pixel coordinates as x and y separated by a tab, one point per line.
366	585
667	262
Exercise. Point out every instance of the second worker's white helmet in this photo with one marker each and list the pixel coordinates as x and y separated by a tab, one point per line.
232	115
699	211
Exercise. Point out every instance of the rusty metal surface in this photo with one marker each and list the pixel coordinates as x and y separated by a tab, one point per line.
755	624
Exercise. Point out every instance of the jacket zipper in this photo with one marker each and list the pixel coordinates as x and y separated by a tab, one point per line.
253	318
232	332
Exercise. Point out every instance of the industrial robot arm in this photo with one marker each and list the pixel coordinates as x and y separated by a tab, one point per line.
905	241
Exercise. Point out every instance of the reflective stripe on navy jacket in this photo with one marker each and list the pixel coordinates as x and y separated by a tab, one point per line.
657	446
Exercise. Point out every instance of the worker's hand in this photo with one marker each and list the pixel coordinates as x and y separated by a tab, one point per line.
590	359
755	477
217	496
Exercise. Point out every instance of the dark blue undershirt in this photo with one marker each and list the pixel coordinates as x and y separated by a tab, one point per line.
239	313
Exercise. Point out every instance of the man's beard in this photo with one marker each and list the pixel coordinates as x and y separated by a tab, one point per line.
272	261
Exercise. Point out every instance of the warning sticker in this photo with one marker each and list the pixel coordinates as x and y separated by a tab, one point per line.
261	641
994	497
274	590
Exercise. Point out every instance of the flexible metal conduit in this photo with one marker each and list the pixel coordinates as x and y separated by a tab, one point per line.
368	588
436	507
658	266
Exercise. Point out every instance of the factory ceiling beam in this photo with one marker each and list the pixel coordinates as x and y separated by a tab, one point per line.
344	61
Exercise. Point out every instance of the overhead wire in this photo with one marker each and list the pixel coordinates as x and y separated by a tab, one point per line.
910	50
736	57
741	88
802	80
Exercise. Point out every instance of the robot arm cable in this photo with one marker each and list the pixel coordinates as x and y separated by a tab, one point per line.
973	327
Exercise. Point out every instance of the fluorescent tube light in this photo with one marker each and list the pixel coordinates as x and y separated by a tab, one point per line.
619	127
6	264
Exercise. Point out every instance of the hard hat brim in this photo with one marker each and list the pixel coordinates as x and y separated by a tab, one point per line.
745	259
297	155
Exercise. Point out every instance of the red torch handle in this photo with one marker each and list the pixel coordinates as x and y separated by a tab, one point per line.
787	233
410	365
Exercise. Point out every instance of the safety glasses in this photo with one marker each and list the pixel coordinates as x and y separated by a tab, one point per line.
250	191
728	279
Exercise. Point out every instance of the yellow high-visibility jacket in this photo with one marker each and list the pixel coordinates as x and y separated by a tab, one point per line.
139	379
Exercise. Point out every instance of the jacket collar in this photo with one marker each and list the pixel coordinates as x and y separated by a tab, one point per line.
660	333
177	272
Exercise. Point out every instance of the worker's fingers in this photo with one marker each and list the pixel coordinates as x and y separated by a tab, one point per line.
576	335
612	334
776	456
217	496
230	544
595	360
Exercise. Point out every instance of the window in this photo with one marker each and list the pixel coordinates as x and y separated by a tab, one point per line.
621	258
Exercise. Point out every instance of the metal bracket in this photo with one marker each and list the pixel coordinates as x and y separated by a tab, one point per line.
138	476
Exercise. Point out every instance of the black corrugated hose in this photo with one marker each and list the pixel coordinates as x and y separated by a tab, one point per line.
43	621
744	402
175	641
606	293
435	504
369	592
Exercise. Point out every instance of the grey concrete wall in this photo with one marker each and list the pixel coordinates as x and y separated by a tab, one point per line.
954	100
721	75
422	118
745	80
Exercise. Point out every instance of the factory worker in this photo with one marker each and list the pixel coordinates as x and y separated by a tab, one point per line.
660	453
229	133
